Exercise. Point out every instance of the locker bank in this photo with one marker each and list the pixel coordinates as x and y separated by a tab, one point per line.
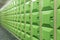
31	19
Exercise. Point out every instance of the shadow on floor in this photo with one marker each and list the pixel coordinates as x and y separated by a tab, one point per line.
5	35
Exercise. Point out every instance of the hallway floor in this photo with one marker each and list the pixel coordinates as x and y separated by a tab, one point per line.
5	35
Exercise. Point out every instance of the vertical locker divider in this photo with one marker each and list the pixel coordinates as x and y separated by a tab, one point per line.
11	5
16	19
31	36
20	19
10	20
14	13
40	17
6	19
24	18
55	25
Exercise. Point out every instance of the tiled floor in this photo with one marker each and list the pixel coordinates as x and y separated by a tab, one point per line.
5	35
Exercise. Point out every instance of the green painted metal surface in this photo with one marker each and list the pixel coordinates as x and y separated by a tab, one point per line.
10	19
